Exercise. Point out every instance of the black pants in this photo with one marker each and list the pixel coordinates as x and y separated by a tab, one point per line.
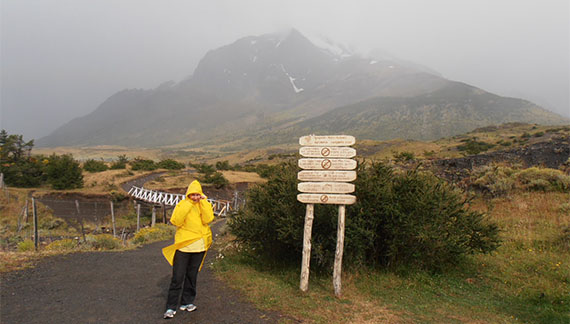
184	274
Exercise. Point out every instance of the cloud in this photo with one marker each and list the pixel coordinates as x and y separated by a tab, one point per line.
60	59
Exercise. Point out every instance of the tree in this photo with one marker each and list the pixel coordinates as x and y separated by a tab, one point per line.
16	163
63	172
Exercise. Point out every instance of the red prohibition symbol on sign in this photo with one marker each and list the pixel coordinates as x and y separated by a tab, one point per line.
326	164
324	198
325	151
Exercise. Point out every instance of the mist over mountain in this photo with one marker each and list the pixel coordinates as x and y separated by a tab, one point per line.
271	89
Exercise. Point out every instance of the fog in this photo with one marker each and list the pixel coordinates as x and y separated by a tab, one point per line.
60	59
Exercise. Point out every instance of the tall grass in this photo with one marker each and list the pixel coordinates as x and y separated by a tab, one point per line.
525	281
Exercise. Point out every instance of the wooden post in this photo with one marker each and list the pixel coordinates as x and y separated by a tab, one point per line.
35	214
21	216
113	218
138	217
153	219
26	212
80	220
307	247
339	250
163	213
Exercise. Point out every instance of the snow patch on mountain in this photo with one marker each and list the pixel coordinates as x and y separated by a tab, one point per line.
292	80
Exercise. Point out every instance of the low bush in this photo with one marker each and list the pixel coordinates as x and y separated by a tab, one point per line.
216	178
62	245
158	233
404	156
223	165
48	222
203	167
95	166
472	146
26	245
411	218
495	180
63	172
142	164
121	163
501	180
103	242
170	164
544	179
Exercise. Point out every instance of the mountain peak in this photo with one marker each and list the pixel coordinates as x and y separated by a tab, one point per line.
268	85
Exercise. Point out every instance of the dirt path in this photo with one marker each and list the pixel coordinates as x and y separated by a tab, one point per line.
117	287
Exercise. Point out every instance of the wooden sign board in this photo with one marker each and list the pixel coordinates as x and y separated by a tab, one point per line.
310	175
327	140
327	164
308	198
326	187
327	152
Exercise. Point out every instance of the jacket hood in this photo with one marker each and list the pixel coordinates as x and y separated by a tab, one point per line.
194	187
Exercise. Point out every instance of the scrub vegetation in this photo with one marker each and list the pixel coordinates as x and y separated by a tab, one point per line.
491	247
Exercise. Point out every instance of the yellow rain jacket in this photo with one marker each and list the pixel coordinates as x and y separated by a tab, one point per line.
191	220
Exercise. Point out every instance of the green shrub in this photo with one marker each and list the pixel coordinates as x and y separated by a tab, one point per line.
142	164
160	232
170	164
121	163
223	165
411	219
544	179
95	166
27	172
495	180
26	245
472	146
216	178
203	168
63	172
62	245
103	242
404	156
49	222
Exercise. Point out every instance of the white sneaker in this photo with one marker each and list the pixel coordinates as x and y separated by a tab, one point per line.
189	307
169	313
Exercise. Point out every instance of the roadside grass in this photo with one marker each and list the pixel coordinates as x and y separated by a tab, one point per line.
525	281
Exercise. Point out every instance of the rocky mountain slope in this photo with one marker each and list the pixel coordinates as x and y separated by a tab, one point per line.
270	89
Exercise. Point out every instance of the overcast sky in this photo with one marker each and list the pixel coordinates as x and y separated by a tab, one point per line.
60	59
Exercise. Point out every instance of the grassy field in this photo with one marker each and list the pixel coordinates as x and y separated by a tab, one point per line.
501	137
525	281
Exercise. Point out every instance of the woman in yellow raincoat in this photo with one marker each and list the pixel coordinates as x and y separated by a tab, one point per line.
193	238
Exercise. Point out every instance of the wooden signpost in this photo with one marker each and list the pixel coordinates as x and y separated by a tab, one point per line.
328	167
326	187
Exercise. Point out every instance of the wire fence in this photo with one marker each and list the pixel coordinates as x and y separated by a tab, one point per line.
45	220
50	218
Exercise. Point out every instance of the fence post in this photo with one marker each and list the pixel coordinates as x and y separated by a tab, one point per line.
21	216
153	220
138	217
163	213
34	211
80	220
26	212
113	218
